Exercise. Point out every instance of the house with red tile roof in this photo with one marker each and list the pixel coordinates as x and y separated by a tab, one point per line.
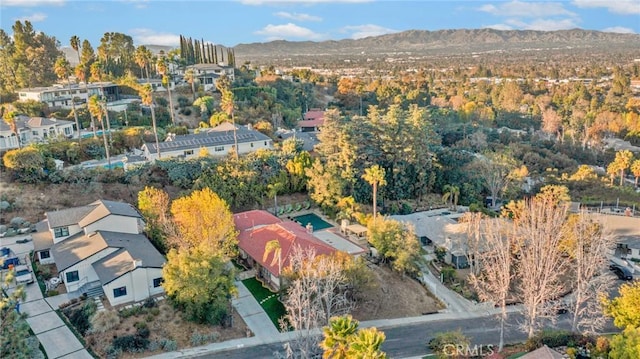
312	120
257	228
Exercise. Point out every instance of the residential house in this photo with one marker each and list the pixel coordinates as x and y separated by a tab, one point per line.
34	130
312	120
60	95
99	248
217	143
256	228
208	74
543	352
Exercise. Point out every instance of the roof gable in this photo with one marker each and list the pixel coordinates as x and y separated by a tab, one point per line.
68	216
104	208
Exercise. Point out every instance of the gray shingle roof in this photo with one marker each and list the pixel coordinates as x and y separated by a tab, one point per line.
68	216
77	248
104	208
42	239
80	247
133	247
208	139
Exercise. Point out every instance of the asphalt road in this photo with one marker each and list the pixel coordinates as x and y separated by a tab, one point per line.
411	340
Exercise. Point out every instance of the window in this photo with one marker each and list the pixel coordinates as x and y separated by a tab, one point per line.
45	254
157	282
73	276
219	148
67	131
265	143
61	232
35	133
188	152
119	292
251	144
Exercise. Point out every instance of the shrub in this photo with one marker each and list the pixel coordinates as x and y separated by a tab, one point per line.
442	343
143	332
552	339
51	293
128	312
448	274
130	343
149	303
168	345
198	338
104	321
155	311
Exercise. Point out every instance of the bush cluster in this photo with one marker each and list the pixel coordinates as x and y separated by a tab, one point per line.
80	317
558	338
198	338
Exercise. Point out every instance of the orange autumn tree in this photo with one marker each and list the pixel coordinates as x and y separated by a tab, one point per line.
203	221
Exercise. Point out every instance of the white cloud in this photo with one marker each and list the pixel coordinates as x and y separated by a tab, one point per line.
31	3
526	9
276	2
625	7
544	24
288	31
35	17
499	27
151	37
362	31
619	30
297	16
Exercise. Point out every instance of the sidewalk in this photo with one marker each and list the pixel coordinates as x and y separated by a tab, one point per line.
252	313
454	301
56	338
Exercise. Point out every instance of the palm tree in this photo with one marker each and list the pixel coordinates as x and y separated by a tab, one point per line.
142	57
337	336
81	75
366	344
163	70
190	76
97	110
272	191
450	196
97	74
623	161
146	95
227	105
273	246
374	175
62	69
635	169
11	118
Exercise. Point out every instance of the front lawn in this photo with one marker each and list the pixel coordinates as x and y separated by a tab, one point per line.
267	299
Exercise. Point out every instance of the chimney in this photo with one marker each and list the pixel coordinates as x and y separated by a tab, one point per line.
137	263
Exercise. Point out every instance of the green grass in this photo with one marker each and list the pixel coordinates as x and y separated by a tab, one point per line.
272	306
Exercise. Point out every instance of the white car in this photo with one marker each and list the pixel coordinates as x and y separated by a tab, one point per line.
23	274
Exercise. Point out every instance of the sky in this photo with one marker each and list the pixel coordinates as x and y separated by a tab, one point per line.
232	22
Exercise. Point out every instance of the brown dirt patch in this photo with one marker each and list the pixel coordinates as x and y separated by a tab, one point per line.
394	296
168	324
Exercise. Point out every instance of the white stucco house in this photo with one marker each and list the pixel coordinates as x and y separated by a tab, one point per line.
34	130
99	248
208	74
61	95
216	142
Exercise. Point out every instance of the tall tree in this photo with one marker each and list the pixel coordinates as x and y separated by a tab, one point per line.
204	221
622	162
635	170
63	71
538	224
450	195
190	77
97	110
227	104
82	69
587	243
273	246
625	311
163	70
14	330
200	283
337	336
496	264
497	170
375	177
146	97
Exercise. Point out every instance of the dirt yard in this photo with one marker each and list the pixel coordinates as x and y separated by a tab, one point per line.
395	297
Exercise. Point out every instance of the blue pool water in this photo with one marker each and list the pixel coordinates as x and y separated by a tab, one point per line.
315	220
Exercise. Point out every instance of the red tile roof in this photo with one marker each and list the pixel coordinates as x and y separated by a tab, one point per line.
314	114
311	123
250	219
289	234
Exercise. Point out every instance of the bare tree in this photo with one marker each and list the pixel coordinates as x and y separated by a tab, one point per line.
496	263
539	261
497	171
473	239
587	243
316	292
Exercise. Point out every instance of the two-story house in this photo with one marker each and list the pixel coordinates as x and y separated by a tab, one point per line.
99	248
34	130
208	74
61	95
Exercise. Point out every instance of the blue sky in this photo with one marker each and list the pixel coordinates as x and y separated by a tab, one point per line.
232	22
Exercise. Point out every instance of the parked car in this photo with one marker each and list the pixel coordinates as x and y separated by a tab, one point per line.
622	272
8	259
23	274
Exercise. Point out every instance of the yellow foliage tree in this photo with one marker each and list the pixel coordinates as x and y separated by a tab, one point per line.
203	220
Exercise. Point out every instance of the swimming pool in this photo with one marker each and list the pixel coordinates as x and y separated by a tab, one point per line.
315	220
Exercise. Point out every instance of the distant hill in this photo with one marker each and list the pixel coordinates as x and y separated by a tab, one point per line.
454	41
